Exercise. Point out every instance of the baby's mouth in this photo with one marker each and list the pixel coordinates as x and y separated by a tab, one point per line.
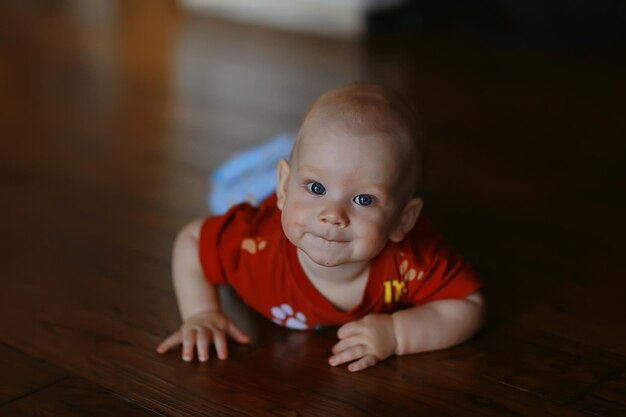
329	239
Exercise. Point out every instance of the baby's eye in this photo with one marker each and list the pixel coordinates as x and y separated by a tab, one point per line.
363	200
316	188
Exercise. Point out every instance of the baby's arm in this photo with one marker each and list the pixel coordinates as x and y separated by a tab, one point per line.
203	321
439	324
432	326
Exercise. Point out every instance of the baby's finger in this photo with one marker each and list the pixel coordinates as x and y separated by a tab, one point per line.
221	347
189	340
202	344
349	329
348	355
170	342
365	362
237	334
345	344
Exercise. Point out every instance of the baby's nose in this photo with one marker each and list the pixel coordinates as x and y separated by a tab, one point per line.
335	216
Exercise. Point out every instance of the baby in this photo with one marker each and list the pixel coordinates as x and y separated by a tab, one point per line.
341	243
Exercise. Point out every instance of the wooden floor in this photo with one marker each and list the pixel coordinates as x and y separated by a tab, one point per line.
111	119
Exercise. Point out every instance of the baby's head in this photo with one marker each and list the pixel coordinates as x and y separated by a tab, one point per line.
350	183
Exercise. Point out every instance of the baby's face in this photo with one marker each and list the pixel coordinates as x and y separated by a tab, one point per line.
341	200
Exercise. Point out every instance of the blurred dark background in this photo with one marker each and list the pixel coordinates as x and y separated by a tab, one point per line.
556	26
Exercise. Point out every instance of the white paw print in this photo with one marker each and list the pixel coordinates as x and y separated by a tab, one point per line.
284	316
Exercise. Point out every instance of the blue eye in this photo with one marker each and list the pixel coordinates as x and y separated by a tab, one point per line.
364	200
316	188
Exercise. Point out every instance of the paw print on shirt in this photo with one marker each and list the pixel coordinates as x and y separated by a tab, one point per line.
407	273
253	245
284	316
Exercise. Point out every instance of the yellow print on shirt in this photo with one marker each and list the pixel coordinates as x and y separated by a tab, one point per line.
394	290
252	246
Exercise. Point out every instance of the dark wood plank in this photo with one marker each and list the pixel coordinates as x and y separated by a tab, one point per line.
293	364
74	397
533	361
21	374
568	313
606	399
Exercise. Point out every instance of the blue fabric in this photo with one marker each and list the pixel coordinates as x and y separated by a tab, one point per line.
249	175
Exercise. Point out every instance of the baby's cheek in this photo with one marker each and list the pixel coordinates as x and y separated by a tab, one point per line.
298	215
373	237
291	221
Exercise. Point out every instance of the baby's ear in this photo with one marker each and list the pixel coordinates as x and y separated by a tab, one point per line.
407	219
282	175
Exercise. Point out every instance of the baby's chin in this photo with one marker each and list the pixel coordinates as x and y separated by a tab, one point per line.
326	258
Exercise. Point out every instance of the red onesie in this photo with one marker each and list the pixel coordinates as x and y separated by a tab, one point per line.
246	248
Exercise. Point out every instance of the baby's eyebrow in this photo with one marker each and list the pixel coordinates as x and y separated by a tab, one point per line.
309	171
375	189
307	167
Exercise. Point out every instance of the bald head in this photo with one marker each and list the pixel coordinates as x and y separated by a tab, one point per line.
368	112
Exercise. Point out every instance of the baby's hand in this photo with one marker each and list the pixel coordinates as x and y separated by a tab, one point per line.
366	341
200	330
